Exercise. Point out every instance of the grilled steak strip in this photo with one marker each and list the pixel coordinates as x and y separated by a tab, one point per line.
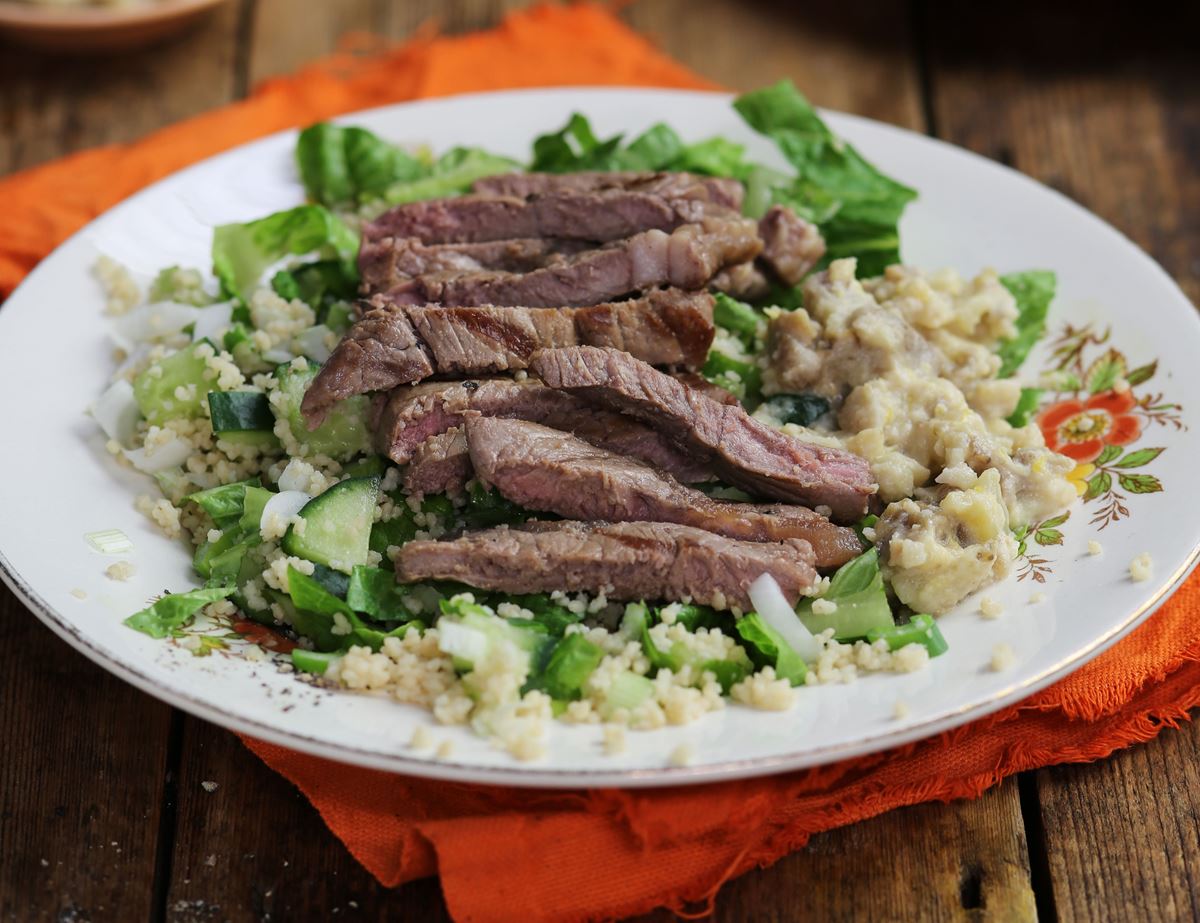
629	561
394	344
387	261
745	281
687	257
440	465
609	214
554	472
791	245
742	450
717	189
411	415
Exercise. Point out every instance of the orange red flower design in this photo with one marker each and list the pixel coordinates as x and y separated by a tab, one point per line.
1081	429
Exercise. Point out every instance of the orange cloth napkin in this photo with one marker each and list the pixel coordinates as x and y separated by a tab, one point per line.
507	854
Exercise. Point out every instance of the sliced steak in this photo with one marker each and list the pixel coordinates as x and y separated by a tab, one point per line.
379	350
391	344
628	560
791	245
742	450
440	465
608	214
717	189
412	415
687	257
387	261
554	472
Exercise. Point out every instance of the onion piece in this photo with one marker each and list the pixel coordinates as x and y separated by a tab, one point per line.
458	640
278	355
170	454
117	413
770	603
212	320
152	322
312	343
285	505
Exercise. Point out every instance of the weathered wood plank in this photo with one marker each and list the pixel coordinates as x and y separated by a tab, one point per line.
52	105
857	57
254	849
1123	835
80	795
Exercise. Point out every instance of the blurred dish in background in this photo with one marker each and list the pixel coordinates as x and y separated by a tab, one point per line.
96	25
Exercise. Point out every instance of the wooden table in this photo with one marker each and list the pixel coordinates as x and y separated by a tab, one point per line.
102	811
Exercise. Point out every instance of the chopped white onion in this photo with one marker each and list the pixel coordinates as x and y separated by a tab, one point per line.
212	320
152	322
312	343
458	640
278	354
285	505
116	411
770	603
295	476
168	455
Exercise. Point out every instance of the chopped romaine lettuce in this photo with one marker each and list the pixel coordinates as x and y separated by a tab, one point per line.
856	206
174	611
374	592
861	602
1033	290
767	647
343	165
567	669
452	174
242	252
737	317
225	504
1026	407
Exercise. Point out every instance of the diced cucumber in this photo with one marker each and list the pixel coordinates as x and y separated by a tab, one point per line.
856	616
627	690
920	629
337	525
155	388
243	417
342	435
312	661
369	466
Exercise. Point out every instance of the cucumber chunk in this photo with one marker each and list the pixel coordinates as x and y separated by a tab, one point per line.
155	388
344	433
243	417
337	525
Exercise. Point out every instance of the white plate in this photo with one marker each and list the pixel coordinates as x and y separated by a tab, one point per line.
59	484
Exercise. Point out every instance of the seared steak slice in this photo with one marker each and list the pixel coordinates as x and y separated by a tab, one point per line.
791	245
717	189
742	450
411	415
687	257
379	350
610	214
628	560
388	261
398	344
440	465
667	327
555	472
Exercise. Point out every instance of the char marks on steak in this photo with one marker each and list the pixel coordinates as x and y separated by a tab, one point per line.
392	344
629	561
555	472
687	257
387	261
742	450
411	415
719	190
604	215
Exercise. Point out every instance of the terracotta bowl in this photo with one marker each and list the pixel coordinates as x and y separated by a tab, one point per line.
98	29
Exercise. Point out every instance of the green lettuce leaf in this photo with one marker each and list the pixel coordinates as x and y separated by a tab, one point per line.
452	174
1033	290
570	664
767	647
862	605
225	504
1026	407
343	165
856	206
174	611
374	591
242	252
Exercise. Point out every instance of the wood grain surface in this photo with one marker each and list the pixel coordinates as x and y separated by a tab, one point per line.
103	810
